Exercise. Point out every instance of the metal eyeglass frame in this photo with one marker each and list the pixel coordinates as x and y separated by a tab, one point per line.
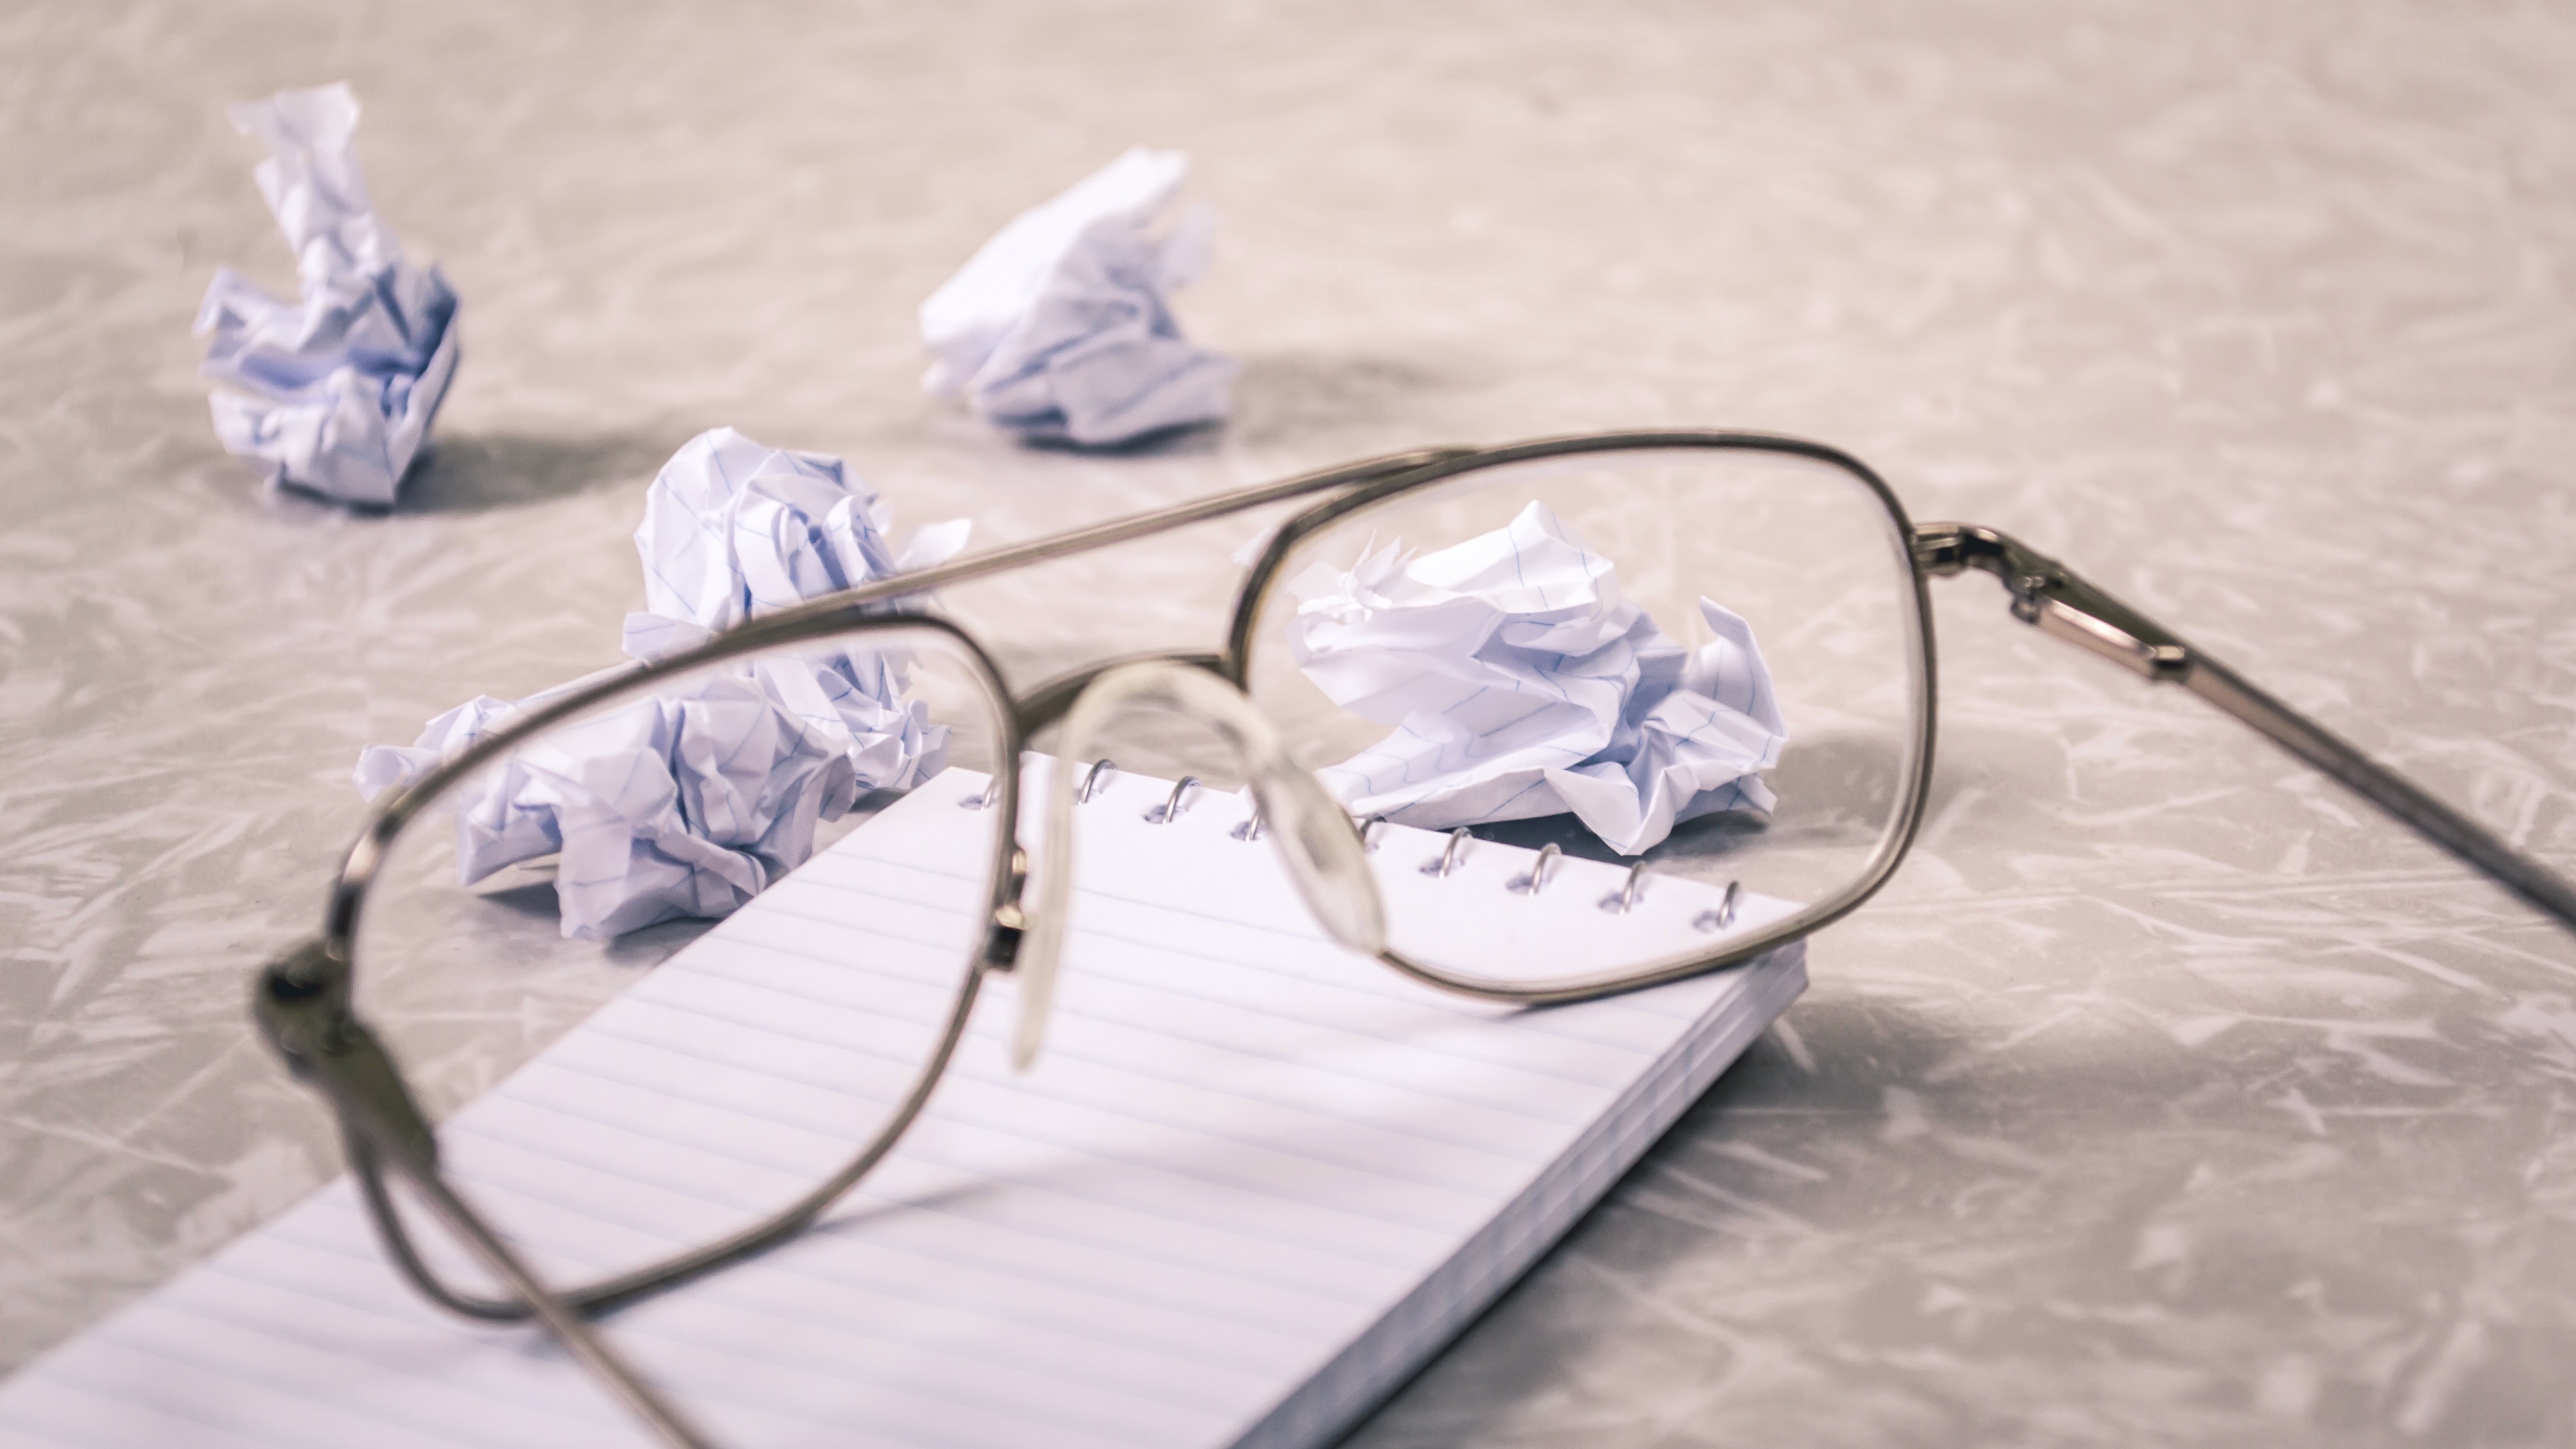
303	1000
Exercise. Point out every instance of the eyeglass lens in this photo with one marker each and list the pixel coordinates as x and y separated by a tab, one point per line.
548	886
1701	659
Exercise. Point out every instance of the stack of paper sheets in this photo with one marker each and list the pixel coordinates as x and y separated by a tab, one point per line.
1253	1185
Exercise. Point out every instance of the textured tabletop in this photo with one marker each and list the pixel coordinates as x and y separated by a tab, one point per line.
2165	1093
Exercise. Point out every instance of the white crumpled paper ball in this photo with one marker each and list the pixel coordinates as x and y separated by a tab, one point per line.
1522	684
1060	328
692	801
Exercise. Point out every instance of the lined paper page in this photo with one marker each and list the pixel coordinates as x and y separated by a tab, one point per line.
1253	1183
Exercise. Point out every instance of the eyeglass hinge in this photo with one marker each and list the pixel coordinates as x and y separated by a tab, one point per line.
302	1004
2045	594
1943	549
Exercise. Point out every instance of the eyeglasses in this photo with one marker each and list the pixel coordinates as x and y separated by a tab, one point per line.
1700	661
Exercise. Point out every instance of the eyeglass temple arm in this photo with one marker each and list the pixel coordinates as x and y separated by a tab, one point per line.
302	1004
1141	526
2046	594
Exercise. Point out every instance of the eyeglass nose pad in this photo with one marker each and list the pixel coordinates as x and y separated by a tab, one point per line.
1324	856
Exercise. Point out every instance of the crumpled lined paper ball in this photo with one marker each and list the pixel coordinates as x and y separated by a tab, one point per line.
1521	685
1060	328
733	529
335	390
686	803
691	801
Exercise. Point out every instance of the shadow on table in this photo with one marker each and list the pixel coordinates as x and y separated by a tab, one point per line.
1524	1372
1288	395
1292	394
478	472
1189	440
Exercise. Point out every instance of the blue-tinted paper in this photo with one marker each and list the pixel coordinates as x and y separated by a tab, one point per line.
336	389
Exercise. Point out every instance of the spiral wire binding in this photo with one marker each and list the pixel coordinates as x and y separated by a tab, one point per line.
1449	854
1532	883
1724	915
1623	900
1618	903
1170	809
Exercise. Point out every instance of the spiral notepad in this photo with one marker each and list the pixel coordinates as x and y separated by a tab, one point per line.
1254	1183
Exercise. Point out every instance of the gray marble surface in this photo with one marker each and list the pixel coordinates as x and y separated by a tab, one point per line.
2164	1095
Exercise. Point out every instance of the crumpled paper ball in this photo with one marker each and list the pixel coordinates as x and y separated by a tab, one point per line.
733	530
1061	329
692	801
335	390
1522	685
